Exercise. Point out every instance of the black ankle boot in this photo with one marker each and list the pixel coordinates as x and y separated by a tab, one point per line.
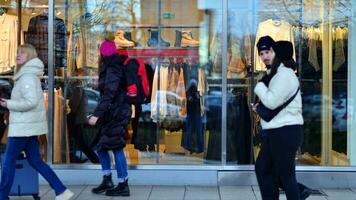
105	185
122	189
128	37
154	38
178	38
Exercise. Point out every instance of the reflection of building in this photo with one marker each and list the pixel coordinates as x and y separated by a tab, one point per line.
328	91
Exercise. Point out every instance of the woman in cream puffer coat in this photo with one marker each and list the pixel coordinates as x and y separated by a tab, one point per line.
28	115
28	119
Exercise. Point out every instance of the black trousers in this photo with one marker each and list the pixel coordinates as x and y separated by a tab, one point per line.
276	161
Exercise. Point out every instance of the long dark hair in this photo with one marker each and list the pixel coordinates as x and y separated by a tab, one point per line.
287	63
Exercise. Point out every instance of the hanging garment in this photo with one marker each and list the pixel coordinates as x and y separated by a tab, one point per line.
192	138
190	72
172	98
239	123
308	71
159	94
144	132
8	42
213	125
37	35
277	30
314	38
201	87
172	120
181	92
83	44
339	56
60	135
239	135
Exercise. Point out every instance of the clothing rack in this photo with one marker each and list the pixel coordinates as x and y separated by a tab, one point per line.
230	85
317	23
168	56
155	26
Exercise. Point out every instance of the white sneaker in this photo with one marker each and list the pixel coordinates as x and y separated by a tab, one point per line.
66	195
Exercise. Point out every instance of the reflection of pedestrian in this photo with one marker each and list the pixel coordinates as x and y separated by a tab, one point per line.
283	135
114	114
76	120
27	121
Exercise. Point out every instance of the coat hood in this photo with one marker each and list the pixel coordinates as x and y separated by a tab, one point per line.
34	66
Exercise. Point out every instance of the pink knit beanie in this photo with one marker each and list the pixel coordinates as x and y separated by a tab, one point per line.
107	48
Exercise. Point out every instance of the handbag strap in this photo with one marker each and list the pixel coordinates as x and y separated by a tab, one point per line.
290	99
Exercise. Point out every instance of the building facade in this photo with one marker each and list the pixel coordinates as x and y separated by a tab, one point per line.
202	63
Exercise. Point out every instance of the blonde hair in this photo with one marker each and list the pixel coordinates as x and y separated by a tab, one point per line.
29	49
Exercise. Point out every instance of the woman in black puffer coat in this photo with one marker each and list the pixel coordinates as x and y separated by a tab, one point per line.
112	115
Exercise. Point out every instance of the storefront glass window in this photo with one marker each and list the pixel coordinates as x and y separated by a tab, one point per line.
319	31
181	45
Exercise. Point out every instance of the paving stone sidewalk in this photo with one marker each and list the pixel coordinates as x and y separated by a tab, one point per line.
189	193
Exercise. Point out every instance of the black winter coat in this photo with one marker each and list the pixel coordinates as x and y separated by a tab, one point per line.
113	110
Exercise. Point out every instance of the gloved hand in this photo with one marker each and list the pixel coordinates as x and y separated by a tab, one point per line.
265	79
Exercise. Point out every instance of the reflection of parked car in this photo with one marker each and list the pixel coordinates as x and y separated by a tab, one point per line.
340	115
340	123
312	109
93	98
312	106
171	106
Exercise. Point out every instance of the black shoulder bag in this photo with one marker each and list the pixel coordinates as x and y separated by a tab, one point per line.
267	114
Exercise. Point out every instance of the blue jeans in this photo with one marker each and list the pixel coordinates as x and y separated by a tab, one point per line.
31	147
120	162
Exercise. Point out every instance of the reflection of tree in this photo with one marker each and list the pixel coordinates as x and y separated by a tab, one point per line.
126	13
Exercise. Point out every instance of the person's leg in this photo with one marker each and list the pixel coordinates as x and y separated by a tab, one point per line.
284	144
34	159
265	172
13	148
122	188
121	165
106	183
105	161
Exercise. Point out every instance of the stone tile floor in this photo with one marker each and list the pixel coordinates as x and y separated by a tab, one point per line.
189	193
